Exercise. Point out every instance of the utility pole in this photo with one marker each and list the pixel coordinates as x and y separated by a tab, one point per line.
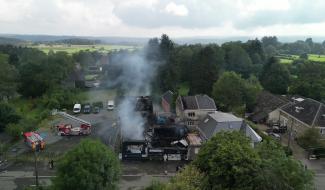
37	149
290	134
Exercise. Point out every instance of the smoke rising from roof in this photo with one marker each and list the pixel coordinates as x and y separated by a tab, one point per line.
134	78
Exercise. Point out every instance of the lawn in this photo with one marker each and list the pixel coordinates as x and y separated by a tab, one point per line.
70	49
318	58
99	95
285	61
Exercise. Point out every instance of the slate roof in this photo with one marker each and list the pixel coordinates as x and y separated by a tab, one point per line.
168	96
197	102
308	111
266	103
220	121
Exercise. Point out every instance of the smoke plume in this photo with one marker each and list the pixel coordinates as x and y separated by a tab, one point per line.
134	79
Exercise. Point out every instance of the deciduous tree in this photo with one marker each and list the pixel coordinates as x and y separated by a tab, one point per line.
89	166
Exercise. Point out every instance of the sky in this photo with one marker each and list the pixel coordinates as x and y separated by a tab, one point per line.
177	18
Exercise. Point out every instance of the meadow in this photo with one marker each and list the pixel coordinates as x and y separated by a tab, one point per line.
288	59
70	49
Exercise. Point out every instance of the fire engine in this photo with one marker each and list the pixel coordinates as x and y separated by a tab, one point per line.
70	130
34	140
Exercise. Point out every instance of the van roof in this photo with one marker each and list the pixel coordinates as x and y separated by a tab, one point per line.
77	106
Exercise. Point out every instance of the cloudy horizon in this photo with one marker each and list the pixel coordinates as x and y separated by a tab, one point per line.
177	18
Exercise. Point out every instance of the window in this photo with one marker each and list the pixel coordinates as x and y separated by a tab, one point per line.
190	123
322	131
191	114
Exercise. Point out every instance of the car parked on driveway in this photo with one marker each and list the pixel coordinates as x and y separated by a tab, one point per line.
96	109
87	108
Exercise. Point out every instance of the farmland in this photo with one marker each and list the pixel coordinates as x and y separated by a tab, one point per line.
288	59
70	49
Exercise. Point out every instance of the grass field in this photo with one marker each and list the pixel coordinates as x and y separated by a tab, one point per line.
288	59
70	49
318	58
285	61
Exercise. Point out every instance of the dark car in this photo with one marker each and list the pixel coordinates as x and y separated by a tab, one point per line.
87	108
96	110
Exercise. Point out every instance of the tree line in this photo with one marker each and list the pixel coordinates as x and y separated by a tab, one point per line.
235	70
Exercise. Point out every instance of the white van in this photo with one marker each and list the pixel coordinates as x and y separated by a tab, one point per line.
77	108
110	105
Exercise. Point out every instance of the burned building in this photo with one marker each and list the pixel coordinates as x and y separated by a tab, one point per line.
145	107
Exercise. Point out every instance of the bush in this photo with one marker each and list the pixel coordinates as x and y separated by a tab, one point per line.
7	115
310	138
14	130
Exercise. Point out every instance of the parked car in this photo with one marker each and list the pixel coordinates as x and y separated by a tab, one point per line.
96	109
87	108
77	108
275	136
110	105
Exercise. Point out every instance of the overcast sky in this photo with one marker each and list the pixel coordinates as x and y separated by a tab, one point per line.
177	18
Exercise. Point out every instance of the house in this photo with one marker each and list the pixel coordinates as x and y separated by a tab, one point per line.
303	114
220	121
194	144
191	109
267	107
167	101
76	79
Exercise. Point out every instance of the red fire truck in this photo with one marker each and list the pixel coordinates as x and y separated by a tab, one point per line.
71	130
34	140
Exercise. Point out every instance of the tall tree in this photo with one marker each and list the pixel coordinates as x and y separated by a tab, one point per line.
231	91
206	69
228	91
8	78
89	166
278	171
229	162
275	77
237	60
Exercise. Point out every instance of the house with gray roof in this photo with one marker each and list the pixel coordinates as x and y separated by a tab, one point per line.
303	114
220	121
192	109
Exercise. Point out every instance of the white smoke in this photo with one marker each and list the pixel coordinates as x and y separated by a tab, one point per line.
135	80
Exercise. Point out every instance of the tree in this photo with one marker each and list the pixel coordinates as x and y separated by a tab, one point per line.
237	60
190	178
7	115
310	81
206	69
279	171
229	162
310	138
231	91
8	78
275	77
91	165
228	91
270	40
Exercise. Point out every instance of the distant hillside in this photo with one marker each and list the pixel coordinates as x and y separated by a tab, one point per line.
78	41
12	41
